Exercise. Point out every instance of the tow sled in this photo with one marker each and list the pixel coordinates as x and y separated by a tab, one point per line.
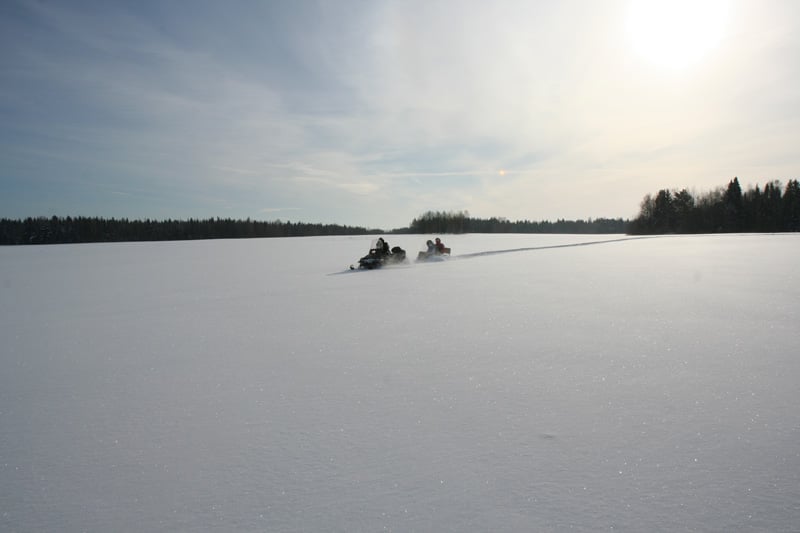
431	257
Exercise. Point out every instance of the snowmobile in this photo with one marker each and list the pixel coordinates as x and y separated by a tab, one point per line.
432	254
380	256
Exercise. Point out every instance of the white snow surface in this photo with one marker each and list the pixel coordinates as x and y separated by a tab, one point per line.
629	384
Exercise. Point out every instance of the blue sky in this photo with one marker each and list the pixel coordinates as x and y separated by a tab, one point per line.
372	112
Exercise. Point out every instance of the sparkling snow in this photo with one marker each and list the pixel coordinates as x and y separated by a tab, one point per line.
638	384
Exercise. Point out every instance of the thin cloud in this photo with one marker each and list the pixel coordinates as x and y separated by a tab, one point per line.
268	210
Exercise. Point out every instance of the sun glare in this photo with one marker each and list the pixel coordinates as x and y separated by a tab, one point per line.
675	33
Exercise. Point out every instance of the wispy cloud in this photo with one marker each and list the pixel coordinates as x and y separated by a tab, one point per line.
277	209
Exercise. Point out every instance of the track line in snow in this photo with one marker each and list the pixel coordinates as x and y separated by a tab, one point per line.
550	247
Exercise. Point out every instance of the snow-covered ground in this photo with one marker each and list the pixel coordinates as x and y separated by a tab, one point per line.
647	384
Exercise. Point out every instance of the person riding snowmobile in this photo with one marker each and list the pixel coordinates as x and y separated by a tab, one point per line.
383	247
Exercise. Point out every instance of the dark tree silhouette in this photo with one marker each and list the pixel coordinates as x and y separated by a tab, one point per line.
56	230
721	210
433	222
733	207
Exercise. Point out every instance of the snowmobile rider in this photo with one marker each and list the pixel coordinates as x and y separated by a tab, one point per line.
440	248
431	247
382	247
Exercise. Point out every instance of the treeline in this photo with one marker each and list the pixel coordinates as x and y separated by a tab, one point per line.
62	230
461	222
724	210
66	230
771	209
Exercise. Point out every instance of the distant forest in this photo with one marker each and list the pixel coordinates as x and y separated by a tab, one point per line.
461	222
64	230
724	210
771	209
60	230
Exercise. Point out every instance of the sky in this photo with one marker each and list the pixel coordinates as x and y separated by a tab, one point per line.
371	113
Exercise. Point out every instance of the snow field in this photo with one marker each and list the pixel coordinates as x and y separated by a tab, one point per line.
635	385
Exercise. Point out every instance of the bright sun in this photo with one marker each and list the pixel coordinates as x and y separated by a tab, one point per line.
676	33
